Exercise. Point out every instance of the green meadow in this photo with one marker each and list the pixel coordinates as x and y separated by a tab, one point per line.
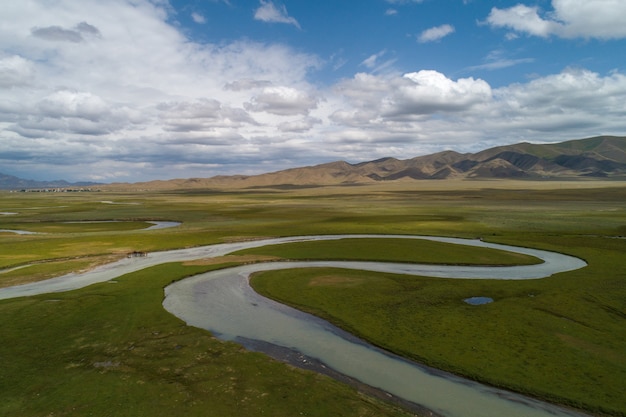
111	349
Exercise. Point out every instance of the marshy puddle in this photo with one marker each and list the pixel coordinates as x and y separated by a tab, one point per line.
476	301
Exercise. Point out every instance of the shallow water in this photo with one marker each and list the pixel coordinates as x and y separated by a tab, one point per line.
222	302
162	225
156	225
18	232
553	263
477	301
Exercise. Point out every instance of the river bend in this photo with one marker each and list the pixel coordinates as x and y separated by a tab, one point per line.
223	303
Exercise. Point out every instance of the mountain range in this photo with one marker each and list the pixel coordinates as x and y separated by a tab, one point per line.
10	182
602	157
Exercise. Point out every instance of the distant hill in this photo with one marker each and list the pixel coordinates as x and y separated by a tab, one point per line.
602	157
9	182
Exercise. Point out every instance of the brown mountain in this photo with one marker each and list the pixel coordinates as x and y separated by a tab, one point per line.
598	157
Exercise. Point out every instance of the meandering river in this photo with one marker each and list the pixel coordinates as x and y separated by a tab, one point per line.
222	302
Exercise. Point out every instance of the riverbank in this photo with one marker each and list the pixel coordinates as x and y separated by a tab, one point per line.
552	263
222	303
298	360
573	344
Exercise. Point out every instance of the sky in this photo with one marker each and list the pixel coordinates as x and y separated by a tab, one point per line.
136	90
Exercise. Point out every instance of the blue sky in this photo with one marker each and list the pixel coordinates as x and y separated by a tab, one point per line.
344	35
134	90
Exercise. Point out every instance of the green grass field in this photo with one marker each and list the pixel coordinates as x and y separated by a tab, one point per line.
393	250
560	338
111	349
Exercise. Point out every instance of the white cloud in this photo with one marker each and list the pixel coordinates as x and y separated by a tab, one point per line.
435	33
370	62
202	115
16	71
301	125
282	100
497	60
131	84
500	63
411	96
428	92
269	12
375	63
135	100
602	19
410	113
65	113
523	19
66	103
573	91
198	18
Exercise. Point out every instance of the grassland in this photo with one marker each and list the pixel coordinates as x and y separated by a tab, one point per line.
392	250
111	349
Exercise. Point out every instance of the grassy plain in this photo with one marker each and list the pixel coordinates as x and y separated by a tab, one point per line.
393	250
111	349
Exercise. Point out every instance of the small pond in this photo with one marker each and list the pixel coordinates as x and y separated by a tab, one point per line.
476	301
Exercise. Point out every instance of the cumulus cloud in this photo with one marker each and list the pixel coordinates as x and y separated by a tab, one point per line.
300	125
418	108
66	103
573	91
65	113
281	100
143	86
428	92
602	19
135	99
522	18
269	12
435	33
201	115
412	95
15	71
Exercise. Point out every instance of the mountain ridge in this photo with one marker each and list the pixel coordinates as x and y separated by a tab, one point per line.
10	182
600	157
597	157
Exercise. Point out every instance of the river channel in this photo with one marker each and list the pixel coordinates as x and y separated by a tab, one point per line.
223	303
